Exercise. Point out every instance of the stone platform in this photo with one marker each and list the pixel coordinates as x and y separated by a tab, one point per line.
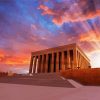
31	92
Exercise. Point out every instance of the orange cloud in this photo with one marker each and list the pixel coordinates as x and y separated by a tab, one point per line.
90	41
73	17
1	54
98	12
13	60
46	10
57	21
90	37
75	12
17	61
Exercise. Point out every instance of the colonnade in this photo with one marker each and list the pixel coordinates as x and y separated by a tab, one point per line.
56	59
82	62
51	62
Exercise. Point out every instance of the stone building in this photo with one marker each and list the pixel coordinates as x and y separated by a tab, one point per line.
59	58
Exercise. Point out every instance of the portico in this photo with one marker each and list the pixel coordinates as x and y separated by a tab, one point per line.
58	58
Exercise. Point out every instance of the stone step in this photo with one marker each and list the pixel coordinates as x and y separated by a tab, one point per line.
51	79
42	76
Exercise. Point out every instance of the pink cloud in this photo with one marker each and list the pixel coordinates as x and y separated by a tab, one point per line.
64	12
46	10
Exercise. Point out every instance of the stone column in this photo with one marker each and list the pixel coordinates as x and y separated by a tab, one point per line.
80	62
68	60
31	64
34	68
46	65
39	63
85	66
75	59
52	63
62	61
65	59
57	62
83	62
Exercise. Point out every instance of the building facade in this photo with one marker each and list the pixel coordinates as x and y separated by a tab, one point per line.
59	58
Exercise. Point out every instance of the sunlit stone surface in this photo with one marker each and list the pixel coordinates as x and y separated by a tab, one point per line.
59	58
27	92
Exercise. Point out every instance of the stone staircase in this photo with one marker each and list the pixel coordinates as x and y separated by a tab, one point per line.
41	79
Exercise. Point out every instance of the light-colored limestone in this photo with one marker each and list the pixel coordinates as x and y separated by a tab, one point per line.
57	59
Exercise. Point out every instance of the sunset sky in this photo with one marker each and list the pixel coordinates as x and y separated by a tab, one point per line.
30	25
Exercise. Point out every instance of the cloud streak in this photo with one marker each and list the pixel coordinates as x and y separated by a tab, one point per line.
67	11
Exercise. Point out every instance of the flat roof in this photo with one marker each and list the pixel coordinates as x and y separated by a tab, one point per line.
57	48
